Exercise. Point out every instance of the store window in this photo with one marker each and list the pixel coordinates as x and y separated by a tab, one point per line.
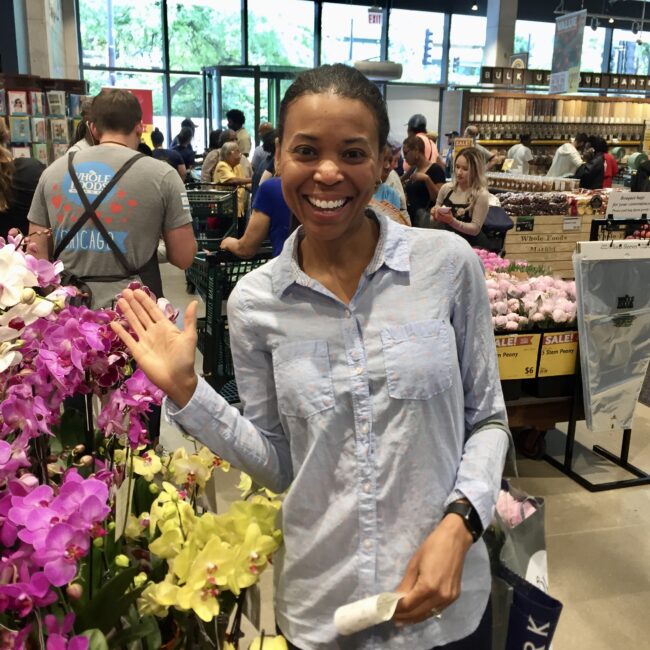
536	38
415	41
121	33
186	96
240	93
593	46
281	33
348	34
203	33
466	44
629	56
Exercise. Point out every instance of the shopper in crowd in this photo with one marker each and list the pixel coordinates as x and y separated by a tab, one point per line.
449	158
366	365
184	147
417	126
186	123
266	167
169	156
229	172
270	218
144	148
260	157
236	120
567	157
386	198
591	172
83	138
422	182
147	202
490	159
521	155
211	157
18	180
463	204
393	179
611	166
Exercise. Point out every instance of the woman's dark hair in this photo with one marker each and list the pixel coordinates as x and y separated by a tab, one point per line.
82	132
414	143
268	141
157	138
213	142
145	149
598	144
185	136
7	170
341	80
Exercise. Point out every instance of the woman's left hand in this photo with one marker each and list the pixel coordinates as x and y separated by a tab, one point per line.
433	575
443	216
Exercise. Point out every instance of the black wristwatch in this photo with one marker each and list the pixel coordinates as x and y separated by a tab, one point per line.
470	518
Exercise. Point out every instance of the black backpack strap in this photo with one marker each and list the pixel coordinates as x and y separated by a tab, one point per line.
90	209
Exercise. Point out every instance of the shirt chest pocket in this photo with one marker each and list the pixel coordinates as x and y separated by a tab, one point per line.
417	357
303	378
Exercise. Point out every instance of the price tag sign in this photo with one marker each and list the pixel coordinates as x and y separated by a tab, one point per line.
559	353
517	354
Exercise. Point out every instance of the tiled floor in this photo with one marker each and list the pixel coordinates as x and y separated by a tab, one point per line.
598	543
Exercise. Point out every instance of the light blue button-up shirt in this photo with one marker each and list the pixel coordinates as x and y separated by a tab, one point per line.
376	414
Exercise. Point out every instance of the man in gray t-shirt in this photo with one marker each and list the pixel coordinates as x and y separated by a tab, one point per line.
147	203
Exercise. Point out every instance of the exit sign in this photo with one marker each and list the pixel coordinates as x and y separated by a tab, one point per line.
374	16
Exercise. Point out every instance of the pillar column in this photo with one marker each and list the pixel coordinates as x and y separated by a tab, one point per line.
500	32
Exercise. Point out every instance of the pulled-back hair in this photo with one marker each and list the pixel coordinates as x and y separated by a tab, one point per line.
116	110
157	138
82	132
213	140
476	164
413	142
341	80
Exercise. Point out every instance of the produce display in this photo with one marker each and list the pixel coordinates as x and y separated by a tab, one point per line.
530	183
517	204
523	298
643	232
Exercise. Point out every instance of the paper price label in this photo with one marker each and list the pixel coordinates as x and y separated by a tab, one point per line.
517	354
559	353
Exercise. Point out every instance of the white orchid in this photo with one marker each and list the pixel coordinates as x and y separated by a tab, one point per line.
15	276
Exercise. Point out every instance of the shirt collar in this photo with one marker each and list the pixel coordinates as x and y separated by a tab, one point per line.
392	250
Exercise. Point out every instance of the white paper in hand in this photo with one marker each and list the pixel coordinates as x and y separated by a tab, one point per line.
365	613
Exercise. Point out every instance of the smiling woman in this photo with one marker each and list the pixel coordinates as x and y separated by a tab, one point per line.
368	374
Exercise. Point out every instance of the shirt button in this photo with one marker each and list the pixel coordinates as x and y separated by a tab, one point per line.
327	401
368	544
348	313
367	486
358	370
364	428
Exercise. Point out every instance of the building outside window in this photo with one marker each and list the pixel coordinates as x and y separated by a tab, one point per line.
466	45
415	40
348	35
536	38
628	55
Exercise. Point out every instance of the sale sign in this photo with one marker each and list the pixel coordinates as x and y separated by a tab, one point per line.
517	354
559	353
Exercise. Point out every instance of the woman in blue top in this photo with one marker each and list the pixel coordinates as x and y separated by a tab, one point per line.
367	370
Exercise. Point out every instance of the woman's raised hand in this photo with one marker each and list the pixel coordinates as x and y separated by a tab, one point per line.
165	353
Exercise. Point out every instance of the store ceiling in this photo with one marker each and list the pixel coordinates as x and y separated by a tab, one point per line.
541	10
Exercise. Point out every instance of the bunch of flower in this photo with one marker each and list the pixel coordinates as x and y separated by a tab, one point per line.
518	304
491	261
95	527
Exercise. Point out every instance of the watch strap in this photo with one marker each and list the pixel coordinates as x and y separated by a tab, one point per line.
470	518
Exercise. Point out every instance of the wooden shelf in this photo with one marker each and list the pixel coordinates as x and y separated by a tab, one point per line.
557	143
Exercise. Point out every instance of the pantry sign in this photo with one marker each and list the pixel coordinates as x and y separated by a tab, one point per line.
567	52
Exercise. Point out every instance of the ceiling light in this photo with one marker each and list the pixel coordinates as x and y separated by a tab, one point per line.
474	7
611	21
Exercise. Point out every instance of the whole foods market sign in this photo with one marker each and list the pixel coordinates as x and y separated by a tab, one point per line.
567	52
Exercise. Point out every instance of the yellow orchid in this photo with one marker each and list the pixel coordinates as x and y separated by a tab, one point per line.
203	602
245	484
147	465
212	460
270	643
169	505
189	470
252	558
157	598
133	528
169	544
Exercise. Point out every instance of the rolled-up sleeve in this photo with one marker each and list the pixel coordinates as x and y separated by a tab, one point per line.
487	436
253	442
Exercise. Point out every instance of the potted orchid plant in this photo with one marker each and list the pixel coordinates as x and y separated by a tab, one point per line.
104	540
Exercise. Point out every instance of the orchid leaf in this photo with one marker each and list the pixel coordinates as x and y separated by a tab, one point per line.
96	639
146	628
110	603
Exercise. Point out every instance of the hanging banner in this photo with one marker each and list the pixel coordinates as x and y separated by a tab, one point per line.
567	52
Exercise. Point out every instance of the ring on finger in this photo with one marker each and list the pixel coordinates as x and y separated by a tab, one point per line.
436	613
